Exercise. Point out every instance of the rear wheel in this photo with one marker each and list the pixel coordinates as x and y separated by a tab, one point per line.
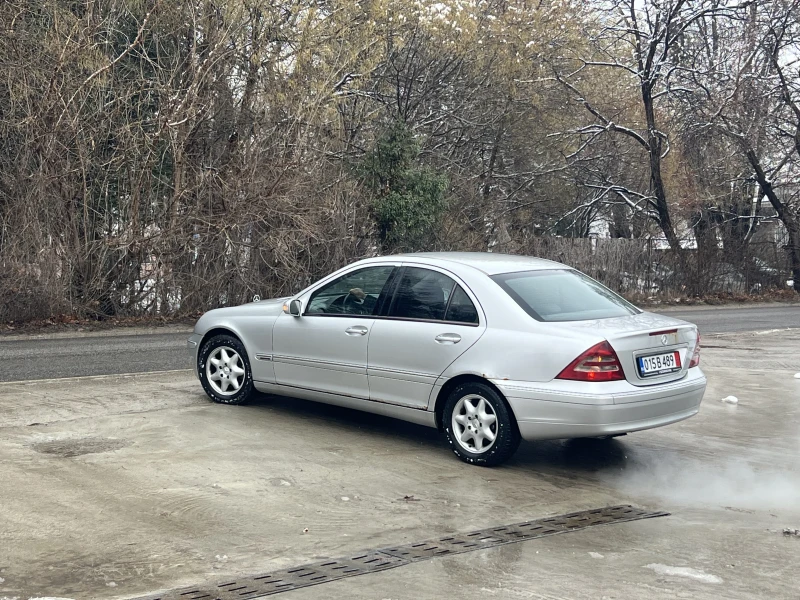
479	425
225	370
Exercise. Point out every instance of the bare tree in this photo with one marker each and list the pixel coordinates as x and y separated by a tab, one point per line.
637	42
750	95
159	158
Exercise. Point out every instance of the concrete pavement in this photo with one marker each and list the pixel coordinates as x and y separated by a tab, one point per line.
118	486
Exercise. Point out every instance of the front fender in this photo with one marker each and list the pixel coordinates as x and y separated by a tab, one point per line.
252	324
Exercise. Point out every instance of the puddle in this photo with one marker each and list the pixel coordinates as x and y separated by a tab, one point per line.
68	448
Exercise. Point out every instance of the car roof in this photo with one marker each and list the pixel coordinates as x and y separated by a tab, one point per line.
490	263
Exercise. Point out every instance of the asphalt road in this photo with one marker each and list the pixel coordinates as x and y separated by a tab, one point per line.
735	320
26	359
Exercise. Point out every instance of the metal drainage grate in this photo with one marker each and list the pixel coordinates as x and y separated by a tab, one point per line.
373	561
497	536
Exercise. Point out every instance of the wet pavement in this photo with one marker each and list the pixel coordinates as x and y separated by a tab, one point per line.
116	487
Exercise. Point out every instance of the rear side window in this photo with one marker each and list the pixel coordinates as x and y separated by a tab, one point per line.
563	295
461	308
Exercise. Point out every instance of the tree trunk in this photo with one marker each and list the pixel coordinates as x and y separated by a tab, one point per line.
789	220
656	181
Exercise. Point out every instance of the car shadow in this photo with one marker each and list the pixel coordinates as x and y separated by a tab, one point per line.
589	455
583	455
366	423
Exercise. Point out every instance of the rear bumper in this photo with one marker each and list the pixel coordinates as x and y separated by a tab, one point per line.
544	412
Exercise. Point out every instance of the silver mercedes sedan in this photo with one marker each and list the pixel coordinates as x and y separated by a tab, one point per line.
488	348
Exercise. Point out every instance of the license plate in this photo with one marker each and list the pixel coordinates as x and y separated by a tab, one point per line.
659	364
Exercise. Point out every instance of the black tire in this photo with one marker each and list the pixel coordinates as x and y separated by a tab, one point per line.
227	343
505	429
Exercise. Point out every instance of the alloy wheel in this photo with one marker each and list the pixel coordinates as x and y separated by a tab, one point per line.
474	423
225	371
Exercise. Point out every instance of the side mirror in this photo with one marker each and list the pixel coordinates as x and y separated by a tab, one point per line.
295	308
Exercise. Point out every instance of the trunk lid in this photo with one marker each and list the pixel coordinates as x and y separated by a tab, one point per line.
642	336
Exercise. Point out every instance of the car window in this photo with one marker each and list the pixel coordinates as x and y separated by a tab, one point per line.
355	293
461	308
421	294
563	295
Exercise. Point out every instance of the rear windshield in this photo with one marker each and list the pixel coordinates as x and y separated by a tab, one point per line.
563	295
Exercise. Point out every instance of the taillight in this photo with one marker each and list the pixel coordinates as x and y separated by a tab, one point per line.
598	363
696	356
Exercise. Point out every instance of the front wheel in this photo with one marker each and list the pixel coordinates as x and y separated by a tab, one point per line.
225	370
479	425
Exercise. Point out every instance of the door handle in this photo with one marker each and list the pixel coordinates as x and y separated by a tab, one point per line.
356	330
448	338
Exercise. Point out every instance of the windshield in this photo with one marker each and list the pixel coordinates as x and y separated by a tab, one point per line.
563	295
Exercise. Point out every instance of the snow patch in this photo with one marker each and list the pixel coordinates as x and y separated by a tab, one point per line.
797	375
695	574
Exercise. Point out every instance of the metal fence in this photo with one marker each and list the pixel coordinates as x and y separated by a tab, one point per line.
642	268
222	273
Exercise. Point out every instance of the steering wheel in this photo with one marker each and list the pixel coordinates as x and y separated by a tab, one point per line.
352	303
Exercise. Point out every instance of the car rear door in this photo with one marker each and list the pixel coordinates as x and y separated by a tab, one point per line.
430	322
325	349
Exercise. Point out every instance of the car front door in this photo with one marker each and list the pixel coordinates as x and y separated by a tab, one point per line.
325	349
430	322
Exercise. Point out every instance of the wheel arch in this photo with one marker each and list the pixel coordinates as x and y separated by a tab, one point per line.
452	383
215	331
219	330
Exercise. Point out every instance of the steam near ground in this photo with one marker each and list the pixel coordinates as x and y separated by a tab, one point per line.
730	482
